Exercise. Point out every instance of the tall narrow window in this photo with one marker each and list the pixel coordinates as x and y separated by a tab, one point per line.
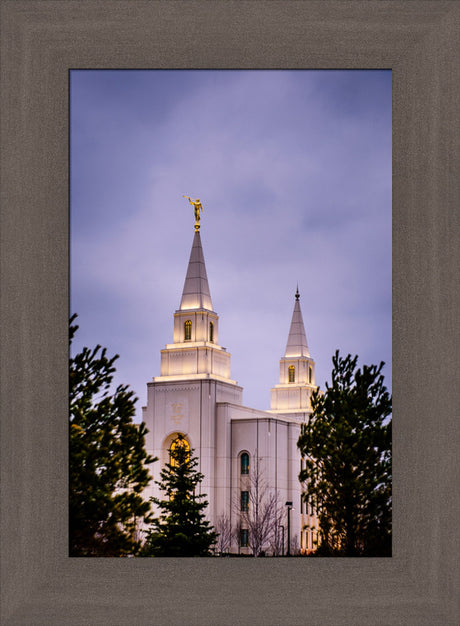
309	374
244	537
188	330
179	442
211	331
244	501
291	371
245	463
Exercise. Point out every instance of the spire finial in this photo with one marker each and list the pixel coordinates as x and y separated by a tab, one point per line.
198	207
297	294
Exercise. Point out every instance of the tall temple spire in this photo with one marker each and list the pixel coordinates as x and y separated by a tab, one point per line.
195	294
195	351
297	340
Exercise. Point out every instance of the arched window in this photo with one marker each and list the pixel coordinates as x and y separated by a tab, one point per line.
244	463
211	331
310	374
244	537
291	371
187	330
178	442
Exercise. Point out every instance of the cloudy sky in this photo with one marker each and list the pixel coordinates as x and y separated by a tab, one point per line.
293	169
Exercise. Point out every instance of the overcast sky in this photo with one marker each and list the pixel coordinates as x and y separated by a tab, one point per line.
293	169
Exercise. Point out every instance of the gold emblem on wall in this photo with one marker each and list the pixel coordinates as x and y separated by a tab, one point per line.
177	414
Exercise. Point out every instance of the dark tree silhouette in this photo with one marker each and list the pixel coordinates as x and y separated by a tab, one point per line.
346	444
108	460
181	529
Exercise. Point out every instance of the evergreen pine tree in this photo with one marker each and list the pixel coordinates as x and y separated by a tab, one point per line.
108	460
346	445
181	529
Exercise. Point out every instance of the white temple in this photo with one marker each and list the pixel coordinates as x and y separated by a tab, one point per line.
195	396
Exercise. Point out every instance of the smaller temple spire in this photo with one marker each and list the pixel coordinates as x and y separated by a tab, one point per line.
297	371
297	340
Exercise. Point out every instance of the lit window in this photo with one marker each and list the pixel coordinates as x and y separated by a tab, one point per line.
178	442
244	537
245	463
291	371
211	331
245	501
188	330
310	374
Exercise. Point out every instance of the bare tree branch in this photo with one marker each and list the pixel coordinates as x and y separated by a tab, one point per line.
261	514
224	539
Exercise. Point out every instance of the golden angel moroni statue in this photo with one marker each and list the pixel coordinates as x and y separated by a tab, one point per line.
198	208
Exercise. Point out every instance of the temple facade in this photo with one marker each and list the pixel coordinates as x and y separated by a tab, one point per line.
249	458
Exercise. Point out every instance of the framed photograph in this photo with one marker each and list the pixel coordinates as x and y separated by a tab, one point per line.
294	173
41	43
